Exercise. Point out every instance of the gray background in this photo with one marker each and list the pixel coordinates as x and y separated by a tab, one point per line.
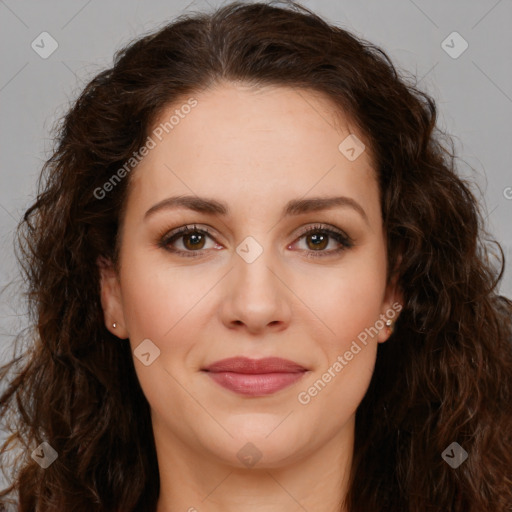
473	91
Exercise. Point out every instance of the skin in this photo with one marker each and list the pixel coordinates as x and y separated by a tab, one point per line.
254	149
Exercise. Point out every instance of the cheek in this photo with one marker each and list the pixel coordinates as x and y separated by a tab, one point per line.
150	305
348	299
161	304
349	304
158	297
350	307
333	395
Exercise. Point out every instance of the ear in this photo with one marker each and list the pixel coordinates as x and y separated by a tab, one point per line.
392	305
111	298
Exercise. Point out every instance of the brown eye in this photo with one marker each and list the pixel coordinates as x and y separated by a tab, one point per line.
318	241
319	237
193	240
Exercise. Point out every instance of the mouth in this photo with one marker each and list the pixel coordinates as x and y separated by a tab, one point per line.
255	377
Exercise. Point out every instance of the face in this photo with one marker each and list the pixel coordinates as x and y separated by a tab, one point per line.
264	272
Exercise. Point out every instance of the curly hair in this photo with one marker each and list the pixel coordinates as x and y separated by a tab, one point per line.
445	374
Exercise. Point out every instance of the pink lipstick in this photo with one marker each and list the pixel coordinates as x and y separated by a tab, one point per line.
255	377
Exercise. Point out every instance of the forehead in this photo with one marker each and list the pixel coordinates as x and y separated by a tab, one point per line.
244	144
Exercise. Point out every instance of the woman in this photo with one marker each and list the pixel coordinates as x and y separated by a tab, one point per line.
258	284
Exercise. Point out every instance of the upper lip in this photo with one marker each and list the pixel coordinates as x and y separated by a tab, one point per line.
255	366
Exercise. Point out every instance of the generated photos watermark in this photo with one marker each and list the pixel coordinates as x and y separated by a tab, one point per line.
151	142
305	397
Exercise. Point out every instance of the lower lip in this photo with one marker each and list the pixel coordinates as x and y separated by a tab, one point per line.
260	384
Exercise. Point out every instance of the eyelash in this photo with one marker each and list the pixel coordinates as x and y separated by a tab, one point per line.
345	241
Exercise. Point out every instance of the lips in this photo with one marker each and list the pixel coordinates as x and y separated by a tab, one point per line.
255	366
255	377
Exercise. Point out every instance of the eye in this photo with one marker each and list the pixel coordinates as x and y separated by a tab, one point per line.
317	238
192	240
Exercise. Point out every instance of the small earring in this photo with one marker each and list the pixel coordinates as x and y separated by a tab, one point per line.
389	324
114	325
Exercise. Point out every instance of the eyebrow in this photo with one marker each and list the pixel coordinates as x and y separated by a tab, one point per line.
293	207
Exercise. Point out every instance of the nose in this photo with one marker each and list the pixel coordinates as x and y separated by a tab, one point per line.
256	297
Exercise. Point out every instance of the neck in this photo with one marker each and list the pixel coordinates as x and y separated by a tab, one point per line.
194	481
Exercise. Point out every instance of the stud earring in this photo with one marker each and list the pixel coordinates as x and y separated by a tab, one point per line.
389	324
114	325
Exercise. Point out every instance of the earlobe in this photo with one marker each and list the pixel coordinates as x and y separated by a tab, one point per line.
392	306
111	298
386	331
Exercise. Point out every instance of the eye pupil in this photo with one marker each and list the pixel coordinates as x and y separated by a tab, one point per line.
320	241
195	238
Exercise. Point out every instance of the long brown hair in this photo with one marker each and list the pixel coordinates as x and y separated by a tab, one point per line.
444	376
